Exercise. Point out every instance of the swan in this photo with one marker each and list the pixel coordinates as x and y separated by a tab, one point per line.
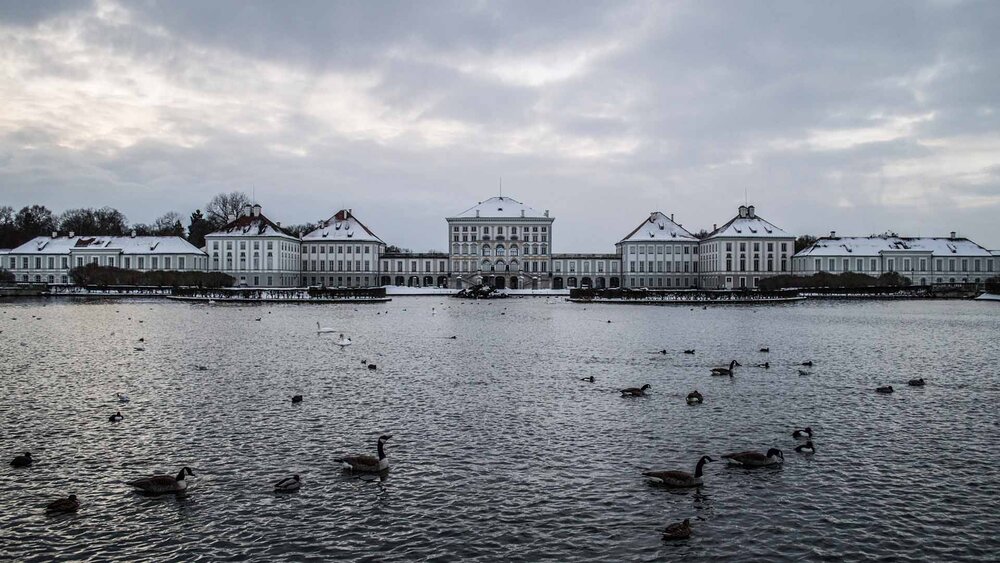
367	463
803	434
755	459
726	371
63	505
342	341
635	391
163	484
288	484
22	460
324	329
122	397
679	479
806	448
678	530
117	417
695	398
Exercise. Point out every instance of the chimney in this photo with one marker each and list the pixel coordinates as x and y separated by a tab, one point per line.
833	234
132	234
743	211
715	227
256	210
750	211
350	212
55	234
278	224
71	234
546	212
477	213
952	235
522	213
671	217
652	216
248	209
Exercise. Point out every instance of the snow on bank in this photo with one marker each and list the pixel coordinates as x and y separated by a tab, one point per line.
988	297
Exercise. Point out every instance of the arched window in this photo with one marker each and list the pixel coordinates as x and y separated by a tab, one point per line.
500	250
473	249
513	250
486	251
456	249
465	249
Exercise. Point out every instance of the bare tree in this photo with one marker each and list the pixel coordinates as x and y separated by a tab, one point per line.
169	224
223	205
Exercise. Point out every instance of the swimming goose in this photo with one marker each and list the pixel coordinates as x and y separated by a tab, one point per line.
372	367
725	371
63	505
803	434
635	391
679	479
695	398
765	365
142	340
139	349
367	463
288	484
122	398
756	459
884	389
342	341
808	364
689	351
117	417
590	379
22	460
296	398
765	350
163	484
678	530
916	382
323	329
806	448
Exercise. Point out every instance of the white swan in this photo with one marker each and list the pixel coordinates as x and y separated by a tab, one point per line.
122	398
343	341
323	329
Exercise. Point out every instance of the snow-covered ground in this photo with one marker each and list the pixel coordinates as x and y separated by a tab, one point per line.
988	297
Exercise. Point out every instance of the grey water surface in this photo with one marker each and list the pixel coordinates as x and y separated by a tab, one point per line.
499	451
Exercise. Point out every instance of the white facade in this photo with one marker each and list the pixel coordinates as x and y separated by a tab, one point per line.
659	254
428	269
598	271
921	260
743	251
341	252
255	251
502	242
49	259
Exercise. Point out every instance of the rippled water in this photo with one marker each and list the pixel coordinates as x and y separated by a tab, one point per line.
499	450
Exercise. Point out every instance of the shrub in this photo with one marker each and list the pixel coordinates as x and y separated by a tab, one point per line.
825	279
103	276
6	276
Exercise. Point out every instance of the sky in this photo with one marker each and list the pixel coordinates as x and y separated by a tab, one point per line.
859	117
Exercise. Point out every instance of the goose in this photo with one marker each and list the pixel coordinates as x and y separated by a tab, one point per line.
202	368
884	389
695	398
678	530
296	398
755	459
689	351
117	417
288	484
323	329
765	350
367	463
23	460
257	319
590	379
679	479
139	349
342	341
163	484
916	382
803	434
664	352
63	505
806	448
635	391
142	340
372	367
807	364
726	371
122	397
765	365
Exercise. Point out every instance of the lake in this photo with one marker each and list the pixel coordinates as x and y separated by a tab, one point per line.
499	450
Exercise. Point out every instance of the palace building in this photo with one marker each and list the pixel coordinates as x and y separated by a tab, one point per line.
743	251
255	251
341	252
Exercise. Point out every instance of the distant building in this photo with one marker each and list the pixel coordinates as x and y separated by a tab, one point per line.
255	251
922	260
596	271
341	252
743	251
414	269
659	254
501	242
49	259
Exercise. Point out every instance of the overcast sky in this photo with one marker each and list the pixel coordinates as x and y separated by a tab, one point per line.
859	117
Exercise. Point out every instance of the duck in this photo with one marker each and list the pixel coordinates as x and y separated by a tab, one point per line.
63	505
122	397
664	352
163	484
678	530
726	371
367	463
765	365
806	448
916	382
589	379
257	319
765	350
884	389
695	398
288	484
635	391
342	341
679	479
689	351
323	329
142	340
23	460
296	398
201	368
117	417
807	364
756	459
139	349
803	434
372	367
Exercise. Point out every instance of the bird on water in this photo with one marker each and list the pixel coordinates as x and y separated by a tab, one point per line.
367	463
635	391
288	484
63	505
806	448
695	398
726	371
588	379
803	434
916	382
756	459
678	530
679	479
117	417
163	484
885	389
22	460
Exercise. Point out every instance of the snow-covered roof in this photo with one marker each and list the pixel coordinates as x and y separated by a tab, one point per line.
748	224
500	207
877	245
343	226
124	245
659	227
252	223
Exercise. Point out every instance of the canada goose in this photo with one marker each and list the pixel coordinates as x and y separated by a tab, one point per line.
755	459
590	379
678	530
725	371
803	434
257	319
664	352
884	389
297	398
23	460
288	484
807	364
163	484
139	349
765	350
916	382
122	398
117	417
142	340
367	463
323	329
635	391
679	479
372	367
806	448
63	505
695	398
689	351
